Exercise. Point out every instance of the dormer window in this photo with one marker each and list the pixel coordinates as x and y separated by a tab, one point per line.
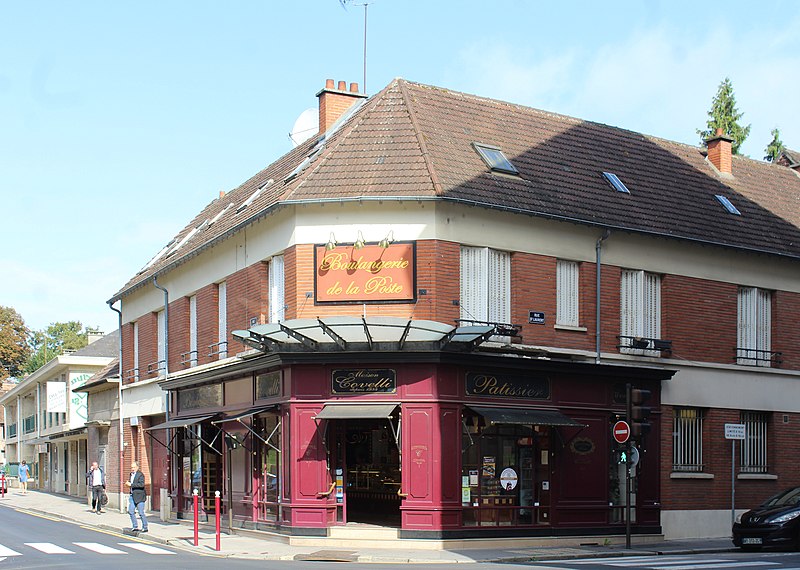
495	159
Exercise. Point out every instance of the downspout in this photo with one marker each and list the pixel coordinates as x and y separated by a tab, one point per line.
119	396
597	255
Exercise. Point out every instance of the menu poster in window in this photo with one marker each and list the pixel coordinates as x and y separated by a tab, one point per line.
473	477
488	466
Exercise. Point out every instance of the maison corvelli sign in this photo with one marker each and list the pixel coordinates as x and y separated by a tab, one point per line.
364	381
506	386
371	274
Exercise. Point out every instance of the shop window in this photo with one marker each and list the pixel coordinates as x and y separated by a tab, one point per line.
754	445
485	285
567	274
270	483
505	477
687	432
276	299
754	321
640	310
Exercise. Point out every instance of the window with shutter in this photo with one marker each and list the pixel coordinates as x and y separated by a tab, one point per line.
161	322
277	301
192	330
136	350
486	286
754	323
567	275
640	308
222	313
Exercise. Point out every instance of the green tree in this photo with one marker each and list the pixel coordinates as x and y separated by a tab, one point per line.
724	115
55	340
774	148
14	349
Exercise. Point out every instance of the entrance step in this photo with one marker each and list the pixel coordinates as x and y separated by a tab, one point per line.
354	535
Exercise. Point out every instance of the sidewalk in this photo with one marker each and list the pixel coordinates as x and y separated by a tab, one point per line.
248	546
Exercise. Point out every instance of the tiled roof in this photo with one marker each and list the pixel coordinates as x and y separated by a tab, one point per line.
414	140
105	346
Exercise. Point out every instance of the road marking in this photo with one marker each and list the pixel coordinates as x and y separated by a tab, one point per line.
8	552
147	548
99	548
48	548
37	514
701	565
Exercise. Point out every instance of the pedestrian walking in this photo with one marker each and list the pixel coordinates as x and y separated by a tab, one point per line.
96	481
23	472
138	496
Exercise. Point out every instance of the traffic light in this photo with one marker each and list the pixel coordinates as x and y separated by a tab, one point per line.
640	426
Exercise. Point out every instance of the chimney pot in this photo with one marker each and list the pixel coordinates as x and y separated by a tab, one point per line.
354	88
719	131
342	86
222	193
329	84
334	102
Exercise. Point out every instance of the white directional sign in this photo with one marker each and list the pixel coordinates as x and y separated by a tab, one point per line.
734	431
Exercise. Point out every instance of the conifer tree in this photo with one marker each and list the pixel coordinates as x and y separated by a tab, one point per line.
726	116
775	147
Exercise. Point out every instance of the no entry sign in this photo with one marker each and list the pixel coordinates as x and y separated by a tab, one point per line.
621	431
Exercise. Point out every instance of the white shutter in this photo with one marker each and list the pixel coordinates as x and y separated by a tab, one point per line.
193	330
763	331
746	325
651	310
499	289
474	301
136	350
277	300
567	283
160	334
222	312
631	303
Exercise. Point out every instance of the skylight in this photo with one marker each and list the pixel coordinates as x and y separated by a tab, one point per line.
254	195
220	214
495	159
728	205
158	256
616	182
186	238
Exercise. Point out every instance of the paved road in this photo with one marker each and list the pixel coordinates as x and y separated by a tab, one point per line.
768	560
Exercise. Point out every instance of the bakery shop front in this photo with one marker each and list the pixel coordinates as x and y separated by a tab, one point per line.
423	426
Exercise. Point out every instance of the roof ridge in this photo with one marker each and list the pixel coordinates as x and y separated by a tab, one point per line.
437	186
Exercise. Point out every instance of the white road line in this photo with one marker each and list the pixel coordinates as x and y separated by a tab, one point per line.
8	552
48	548
701	565
623	561
99	548
145	548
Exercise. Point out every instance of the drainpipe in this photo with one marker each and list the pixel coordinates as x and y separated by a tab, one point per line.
119	396
597	254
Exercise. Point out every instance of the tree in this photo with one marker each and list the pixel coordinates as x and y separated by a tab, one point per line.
724	115
55	340
14	349
774	148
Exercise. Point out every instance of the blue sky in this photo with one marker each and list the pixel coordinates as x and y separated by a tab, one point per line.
119	121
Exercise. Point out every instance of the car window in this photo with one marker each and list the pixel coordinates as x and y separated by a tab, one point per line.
785	498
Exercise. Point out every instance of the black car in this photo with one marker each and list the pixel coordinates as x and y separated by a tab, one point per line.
774	523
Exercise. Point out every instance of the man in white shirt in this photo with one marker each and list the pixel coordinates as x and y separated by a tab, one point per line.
96	481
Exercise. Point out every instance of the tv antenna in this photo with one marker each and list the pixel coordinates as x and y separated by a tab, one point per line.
365	5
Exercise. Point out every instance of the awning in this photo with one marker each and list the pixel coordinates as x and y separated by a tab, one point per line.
182	422
247	414
520	416
355	411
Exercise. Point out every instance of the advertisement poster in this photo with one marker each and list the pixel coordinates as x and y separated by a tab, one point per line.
57	397
78	401
488	466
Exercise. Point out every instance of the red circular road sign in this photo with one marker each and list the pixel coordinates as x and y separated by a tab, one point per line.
621	431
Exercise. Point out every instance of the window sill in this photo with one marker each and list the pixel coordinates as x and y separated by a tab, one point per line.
690	475
757	476
569	328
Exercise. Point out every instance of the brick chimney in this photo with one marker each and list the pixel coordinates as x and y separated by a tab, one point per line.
333	102
719	152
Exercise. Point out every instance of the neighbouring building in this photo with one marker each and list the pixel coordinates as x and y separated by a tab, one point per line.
428	317
46	421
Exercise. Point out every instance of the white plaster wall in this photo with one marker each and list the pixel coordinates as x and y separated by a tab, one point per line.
697	524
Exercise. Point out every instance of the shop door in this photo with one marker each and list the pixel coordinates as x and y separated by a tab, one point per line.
366	462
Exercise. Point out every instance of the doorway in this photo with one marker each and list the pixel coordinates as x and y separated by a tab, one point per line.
366	460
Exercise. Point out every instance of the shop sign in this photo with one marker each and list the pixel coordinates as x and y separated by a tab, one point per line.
508	479
371	274
364	381
505	386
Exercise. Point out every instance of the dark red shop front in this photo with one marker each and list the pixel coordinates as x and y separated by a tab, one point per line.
440	443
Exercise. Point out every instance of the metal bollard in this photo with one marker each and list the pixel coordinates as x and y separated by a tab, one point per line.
196	533
216	512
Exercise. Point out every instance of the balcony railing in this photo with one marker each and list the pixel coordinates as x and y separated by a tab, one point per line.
156	367
218	348
758	357
131	374
644	345
189	358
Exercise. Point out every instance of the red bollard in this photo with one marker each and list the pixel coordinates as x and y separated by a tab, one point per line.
196	534
216	511
2	485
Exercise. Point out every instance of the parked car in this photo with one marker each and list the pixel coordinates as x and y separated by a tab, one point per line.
775	523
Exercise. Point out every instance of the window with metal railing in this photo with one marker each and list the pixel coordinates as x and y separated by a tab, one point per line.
754	445
29	424
687	434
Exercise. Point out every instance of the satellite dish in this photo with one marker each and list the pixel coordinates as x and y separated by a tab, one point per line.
305	127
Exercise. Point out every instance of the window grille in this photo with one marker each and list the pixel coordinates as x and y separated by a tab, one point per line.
567	274
754	445
687	433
